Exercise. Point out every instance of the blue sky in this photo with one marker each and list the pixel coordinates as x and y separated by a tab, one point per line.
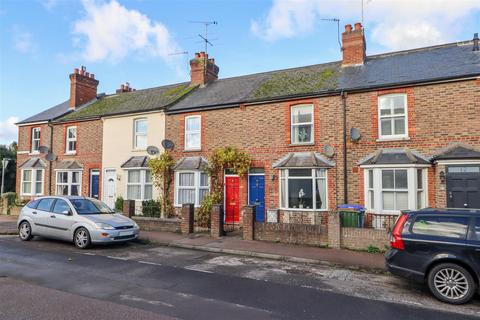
41	41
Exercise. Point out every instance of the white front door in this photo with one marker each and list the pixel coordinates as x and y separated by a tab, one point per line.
109	187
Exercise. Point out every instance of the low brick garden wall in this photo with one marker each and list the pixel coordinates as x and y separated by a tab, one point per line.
307	234
158	224
363	238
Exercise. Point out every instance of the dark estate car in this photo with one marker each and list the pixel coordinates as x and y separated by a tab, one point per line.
440	247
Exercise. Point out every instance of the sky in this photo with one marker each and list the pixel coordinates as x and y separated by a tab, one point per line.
142	41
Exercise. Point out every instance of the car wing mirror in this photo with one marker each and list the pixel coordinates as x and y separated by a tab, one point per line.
67	212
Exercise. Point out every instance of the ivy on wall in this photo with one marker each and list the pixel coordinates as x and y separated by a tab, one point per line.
161	169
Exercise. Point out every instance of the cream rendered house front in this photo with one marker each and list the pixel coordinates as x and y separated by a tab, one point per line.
125	157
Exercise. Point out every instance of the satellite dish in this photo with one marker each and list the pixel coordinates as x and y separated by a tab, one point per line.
328	150
167	144
43	149
51	156
355	134
152	150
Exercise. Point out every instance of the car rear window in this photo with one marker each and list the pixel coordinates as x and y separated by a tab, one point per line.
476	228
45	204
441	226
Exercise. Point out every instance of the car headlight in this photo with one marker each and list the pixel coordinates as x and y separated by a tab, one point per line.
135	225
104	226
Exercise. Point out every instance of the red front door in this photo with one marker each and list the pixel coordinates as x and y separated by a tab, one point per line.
232	205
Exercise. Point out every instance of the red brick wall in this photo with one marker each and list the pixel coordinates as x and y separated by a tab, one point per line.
263	131
88	155
437	116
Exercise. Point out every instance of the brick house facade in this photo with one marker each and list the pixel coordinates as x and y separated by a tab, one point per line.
406	138
67	158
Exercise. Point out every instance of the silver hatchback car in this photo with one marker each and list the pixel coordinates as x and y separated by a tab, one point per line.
85	221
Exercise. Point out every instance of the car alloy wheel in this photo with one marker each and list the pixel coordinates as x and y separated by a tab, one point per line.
451	283
82	238
25	231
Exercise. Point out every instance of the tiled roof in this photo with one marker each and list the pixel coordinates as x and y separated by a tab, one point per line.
69	165
191	163
49	114
449	61
457	151
33	163
131	102
136	162
303	160
394	156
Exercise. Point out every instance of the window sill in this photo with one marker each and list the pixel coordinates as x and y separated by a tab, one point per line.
139	150
192	150
301	144
34	153
393	139
70	153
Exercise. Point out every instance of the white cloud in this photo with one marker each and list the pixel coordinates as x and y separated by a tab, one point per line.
110	31
394	24
49	4
8	130
22	40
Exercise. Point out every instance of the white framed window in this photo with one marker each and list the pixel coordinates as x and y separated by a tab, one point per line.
193	133
35	140
191	187
392	116
31	183
69	183
303	189
392	189
71	140
301	124
140	128
139	184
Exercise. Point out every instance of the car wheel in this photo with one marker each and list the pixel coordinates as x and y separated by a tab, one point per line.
81	238
25	231
451	283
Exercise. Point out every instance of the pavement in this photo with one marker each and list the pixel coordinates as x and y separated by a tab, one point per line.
269	250
261	249
117	281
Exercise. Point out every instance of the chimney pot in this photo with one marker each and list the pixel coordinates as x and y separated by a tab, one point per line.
87	74
475	42
75	70
122	86
358	26
82	70
92	76
348	27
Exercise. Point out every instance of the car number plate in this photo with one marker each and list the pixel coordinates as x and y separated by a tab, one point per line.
126	233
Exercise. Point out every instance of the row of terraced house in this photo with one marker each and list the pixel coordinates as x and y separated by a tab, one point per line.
390	132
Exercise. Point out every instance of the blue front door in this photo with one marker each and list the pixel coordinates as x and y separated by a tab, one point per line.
94	183
257	195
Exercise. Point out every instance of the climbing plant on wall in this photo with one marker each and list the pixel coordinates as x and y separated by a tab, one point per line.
161	168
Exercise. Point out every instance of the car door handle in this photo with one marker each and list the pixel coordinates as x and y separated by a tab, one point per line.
52	216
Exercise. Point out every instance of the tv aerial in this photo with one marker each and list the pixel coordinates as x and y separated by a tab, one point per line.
337	21
204	37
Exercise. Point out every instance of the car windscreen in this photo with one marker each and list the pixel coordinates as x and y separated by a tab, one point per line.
87	206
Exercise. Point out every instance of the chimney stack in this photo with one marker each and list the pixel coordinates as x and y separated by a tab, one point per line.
125	88
475	42
202	69
353	45
83	87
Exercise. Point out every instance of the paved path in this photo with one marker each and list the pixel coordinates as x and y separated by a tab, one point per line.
8	225
190	284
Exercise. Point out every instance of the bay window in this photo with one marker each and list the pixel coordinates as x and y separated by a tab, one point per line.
193	133
69	183
32	182
392	116
304	189
390	190
35	140
139	184
191	187
302	124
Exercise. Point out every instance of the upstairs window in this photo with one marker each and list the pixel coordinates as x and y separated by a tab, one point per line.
392	114
302	124
140	134
193	133
71	140
35	140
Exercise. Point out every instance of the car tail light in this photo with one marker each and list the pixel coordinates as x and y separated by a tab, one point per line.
396	241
